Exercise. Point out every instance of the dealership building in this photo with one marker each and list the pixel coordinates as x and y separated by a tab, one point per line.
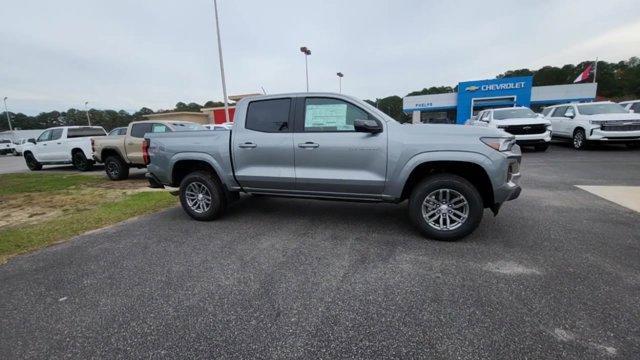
473	96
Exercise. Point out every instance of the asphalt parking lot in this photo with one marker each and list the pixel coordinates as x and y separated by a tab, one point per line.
556	274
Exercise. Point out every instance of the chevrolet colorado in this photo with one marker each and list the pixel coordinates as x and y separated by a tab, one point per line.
332	146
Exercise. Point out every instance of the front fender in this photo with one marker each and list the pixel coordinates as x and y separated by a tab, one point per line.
399	177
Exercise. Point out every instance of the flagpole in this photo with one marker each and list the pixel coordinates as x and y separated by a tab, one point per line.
595	71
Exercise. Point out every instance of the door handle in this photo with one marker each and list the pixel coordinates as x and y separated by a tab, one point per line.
130	143
44	144
59	143
309	145
247	145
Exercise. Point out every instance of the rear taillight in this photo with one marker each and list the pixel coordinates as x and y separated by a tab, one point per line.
145	151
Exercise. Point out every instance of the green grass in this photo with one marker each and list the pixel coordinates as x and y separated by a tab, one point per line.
26	238
30	182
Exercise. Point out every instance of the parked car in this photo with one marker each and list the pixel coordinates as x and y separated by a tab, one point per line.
631	106
121	152
602	121
529	128
118	131
6	146
21	145
63	145
332	146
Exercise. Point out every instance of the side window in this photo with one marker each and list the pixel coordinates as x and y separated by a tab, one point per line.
56	134
138	130
45	136
331	115
159	128
636	107
570	112
269	115
559	111
546	111
485	116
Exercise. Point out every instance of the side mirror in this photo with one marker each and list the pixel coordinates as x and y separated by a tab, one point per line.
33	141
368	126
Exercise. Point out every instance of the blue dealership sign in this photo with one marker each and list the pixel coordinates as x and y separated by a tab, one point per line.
495	92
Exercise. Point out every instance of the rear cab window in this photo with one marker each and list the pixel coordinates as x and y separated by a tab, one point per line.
138	130
270	116
84	132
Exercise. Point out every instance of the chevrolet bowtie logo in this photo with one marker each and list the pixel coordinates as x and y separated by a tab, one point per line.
472	88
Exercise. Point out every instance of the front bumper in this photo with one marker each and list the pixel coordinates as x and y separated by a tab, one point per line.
598	134
510	188
530	139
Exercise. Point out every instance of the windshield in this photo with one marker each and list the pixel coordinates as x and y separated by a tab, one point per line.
186	126
595	109
514	114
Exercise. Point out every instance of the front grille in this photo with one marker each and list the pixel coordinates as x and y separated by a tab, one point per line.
620	126
525	129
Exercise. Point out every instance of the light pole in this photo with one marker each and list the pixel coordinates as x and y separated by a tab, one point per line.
87	112
224	84
7	112
306	51
340	76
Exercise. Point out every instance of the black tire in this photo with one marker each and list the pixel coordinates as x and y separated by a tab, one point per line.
32	163
579	139
633	145
454	184
80	161
116	168
206	184
542	147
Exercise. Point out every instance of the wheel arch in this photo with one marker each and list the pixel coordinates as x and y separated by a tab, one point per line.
472	171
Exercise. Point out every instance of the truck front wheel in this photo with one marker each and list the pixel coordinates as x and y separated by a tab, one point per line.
445	207
32	163
116	168
202	196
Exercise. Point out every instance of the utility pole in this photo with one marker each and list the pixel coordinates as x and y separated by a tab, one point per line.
306	51
86	110
224	84
7	112
340	76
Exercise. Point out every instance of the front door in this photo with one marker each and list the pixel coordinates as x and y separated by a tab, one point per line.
263	148
331	158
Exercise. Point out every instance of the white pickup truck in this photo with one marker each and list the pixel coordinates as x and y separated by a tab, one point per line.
63	145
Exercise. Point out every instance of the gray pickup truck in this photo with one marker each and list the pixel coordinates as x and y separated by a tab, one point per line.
332	146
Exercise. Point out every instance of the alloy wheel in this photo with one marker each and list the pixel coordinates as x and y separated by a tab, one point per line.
445	209
198	197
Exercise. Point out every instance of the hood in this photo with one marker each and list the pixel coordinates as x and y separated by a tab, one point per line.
476	132
612	117
521	121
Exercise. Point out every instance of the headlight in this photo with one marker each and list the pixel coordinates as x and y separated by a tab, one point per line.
549	127
596	122
499	143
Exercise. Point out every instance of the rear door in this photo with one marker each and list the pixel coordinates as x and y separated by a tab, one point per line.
331	158
558	120
262	149
133	143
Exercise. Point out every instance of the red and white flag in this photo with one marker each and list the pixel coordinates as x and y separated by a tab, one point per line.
583	75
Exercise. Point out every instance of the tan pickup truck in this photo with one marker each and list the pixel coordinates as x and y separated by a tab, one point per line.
121	152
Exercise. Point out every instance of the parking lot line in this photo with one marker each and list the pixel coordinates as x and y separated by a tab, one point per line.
627	196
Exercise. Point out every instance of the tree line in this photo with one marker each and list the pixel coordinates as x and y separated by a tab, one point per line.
616	81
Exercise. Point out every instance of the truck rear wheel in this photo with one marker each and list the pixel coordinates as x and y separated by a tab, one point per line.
116	168
445	207
80	161
202	196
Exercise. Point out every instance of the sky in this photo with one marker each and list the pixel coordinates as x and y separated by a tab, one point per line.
126	54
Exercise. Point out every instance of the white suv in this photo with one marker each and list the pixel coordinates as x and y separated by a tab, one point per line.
598	121
528	127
